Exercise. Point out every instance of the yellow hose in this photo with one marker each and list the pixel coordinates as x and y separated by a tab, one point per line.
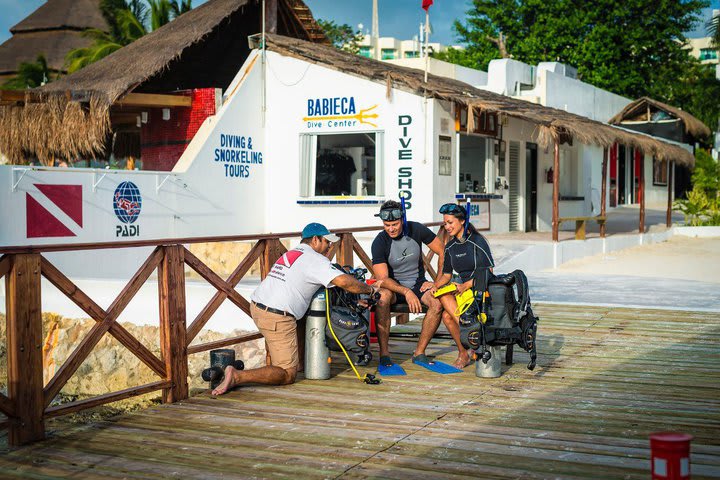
327	315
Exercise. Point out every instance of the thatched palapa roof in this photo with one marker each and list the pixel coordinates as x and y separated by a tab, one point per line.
553	125
70	117
52	30
640	108
63	126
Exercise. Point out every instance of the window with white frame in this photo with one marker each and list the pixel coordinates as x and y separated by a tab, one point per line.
341	164
570	173
476	170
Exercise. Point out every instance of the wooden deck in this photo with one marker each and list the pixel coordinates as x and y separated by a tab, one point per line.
606	379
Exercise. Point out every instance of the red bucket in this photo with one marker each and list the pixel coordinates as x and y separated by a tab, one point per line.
670	455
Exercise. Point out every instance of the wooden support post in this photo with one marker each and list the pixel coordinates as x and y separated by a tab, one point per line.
556	192
273	250
345	249
24	349
668	215
603	191
173	342
641	191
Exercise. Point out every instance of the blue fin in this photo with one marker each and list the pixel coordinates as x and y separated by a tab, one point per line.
438	367
388	370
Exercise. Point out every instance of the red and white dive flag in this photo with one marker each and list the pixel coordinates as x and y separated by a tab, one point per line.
53	211
426	4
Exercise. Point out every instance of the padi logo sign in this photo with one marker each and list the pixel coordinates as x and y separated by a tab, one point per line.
337	112
127	203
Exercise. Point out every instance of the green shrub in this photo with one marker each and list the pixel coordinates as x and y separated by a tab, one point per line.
702	207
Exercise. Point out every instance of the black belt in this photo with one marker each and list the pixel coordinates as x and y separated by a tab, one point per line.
273	310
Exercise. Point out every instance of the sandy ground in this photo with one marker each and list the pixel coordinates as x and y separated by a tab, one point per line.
680	258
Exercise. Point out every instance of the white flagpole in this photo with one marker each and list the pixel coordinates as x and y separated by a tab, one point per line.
427	36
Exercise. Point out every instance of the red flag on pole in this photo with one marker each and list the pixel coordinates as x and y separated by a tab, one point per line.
426	4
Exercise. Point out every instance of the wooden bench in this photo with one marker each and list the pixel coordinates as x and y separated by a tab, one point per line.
580	224
402	312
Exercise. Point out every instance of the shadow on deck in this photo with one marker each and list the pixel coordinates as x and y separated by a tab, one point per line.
606	379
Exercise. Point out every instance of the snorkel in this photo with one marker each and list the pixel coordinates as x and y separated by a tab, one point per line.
404	215
467	219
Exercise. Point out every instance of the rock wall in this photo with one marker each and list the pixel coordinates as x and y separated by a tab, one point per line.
224	257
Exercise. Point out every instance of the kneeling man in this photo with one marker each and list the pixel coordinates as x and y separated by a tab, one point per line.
283	298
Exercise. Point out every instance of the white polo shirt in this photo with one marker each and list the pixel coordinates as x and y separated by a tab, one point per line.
294	279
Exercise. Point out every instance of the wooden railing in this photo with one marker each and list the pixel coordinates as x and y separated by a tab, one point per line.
27	404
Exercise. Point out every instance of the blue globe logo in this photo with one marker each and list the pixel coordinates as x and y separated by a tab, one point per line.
127	202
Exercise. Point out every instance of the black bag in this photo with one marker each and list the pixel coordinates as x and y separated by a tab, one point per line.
352	329
509	319
349	321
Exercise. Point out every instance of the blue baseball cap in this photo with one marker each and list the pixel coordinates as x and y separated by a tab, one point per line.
318	230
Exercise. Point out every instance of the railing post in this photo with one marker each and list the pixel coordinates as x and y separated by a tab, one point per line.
345	250
556	192
24	345
603	190
272	251
173	341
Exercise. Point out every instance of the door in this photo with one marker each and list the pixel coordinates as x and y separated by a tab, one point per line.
531	187
622	176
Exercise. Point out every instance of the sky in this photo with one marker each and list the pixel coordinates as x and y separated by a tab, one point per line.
398	18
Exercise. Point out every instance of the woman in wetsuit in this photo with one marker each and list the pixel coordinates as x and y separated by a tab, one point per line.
467	255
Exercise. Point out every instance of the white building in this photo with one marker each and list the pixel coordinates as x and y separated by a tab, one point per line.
703	49
556	85
329	140
391	48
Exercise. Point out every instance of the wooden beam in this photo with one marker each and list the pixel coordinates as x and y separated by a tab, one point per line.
24	349
364	258
668	214
11	96
443	235
292	15
273	250
234	278
97	313
129	100
7	406
153	100
214	279
556	191
428	266
173	342
204	347
345	249
107	398
98	330
65	247
333	250
4	265
603	190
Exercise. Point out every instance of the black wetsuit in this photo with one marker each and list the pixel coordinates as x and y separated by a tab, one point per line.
403	256
467	258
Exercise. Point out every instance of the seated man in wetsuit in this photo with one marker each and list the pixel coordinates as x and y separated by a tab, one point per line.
398	267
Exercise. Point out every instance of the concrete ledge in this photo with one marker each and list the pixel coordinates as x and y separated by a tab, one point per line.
551	255
698	232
